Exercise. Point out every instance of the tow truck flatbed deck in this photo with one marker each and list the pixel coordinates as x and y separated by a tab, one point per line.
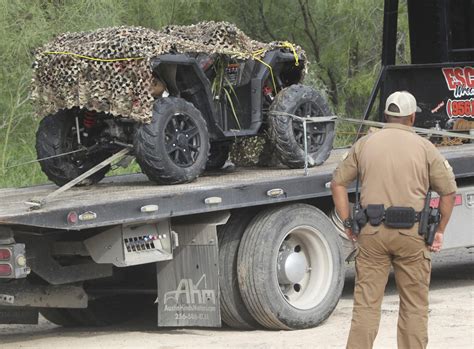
119	199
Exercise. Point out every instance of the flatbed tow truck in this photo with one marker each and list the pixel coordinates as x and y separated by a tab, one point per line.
250	248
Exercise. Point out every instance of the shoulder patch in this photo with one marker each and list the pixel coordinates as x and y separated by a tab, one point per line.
345	155
447	165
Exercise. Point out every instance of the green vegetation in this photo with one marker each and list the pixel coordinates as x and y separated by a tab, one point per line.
342	39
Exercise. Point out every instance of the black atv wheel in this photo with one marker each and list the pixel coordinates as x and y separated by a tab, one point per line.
174	147
57	135
287	133
218	155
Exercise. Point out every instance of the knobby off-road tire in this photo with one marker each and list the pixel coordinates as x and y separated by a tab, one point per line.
218	155
233	310
174	147
290	267
287	133
56	135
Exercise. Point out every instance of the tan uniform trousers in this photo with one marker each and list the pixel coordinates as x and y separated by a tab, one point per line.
405	250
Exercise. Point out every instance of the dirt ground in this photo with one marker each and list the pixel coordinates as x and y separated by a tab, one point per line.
451	322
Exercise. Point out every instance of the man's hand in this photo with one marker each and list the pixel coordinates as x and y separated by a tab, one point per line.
351	236
446	204
437	242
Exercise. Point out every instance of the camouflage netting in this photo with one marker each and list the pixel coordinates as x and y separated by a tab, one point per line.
254	151
63	80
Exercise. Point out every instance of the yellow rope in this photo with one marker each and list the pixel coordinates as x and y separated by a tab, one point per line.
92	58
258	52
289	45
271	72
255	54
283	44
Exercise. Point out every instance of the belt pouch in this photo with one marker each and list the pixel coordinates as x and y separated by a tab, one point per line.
360	217
400	217
375	214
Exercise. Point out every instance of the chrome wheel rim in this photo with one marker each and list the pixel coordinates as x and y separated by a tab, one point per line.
304	267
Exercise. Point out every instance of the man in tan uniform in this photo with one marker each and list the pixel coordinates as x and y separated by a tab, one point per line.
396	168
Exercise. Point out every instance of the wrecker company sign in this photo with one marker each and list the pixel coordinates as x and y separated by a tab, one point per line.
188	285
191	301
189	294
460	80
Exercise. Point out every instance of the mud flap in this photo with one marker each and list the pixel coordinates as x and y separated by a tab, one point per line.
188	285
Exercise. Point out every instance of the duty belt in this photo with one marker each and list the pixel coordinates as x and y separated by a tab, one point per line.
392	217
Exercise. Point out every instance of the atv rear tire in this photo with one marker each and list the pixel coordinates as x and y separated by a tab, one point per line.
57	135
287	133
174	147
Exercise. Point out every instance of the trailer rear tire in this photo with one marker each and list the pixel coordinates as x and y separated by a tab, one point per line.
287	133
233	310
290	267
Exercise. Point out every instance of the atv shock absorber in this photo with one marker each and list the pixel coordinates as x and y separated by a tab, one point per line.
268	93
89	119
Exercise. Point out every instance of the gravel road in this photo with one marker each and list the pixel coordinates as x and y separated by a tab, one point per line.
451	322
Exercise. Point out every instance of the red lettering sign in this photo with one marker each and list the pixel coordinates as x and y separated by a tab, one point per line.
460	80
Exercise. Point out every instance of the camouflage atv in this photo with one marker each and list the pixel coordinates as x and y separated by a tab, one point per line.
178	97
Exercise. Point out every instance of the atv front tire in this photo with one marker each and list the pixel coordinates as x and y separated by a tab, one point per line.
287	132
174	147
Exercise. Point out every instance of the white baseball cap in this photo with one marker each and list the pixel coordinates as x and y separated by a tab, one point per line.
400	104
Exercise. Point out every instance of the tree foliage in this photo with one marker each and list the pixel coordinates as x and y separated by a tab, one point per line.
342	39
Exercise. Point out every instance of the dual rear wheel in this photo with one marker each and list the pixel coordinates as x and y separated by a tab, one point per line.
283	269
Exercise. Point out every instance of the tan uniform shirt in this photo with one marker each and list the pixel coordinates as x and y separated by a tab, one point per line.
396	168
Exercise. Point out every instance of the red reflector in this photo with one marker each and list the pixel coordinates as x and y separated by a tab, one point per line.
5	254
5	269
457	201
72	217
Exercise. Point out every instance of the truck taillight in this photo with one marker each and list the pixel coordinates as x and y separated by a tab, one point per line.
5	270
13	263
5	254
